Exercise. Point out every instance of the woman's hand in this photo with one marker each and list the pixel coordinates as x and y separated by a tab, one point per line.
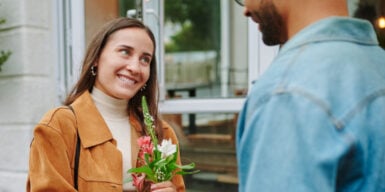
166	186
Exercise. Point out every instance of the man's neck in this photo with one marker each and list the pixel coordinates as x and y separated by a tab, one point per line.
311	11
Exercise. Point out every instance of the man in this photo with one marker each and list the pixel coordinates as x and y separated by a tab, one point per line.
315	121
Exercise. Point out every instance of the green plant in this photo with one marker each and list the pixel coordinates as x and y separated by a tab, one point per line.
199	22
4	55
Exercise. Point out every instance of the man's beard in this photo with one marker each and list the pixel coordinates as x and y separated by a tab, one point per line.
271	25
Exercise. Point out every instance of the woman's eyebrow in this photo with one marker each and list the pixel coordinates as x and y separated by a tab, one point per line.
126	46
131	48
147	54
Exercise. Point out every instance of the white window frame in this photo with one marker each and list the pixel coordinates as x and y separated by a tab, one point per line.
70	43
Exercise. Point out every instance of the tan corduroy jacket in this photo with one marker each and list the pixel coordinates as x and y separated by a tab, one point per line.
51	161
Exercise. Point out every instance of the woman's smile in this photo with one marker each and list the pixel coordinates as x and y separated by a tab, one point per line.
127	80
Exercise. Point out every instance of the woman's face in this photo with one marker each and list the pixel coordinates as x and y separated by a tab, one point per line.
124	64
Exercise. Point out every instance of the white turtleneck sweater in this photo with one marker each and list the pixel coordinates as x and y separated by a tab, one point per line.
114	113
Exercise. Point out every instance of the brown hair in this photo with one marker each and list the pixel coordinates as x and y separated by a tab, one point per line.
87	80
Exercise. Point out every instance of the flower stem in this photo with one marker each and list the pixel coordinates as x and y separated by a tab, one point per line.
149	122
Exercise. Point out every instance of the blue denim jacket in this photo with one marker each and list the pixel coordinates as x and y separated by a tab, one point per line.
315	121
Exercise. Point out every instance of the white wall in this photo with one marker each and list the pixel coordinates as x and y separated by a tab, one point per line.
27	83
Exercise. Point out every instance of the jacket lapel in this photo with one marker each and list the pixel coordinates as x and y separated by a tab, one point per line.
92	128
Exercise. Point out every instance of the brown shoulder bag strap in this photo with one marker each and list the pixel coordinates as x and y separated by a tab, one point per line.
77	154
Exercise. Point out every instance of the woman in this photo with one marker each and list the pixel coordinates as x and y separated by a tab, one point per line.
118	69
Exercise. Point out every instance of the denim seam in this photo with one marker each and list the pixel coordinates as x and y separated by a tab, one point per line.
282	88
362	104
338	124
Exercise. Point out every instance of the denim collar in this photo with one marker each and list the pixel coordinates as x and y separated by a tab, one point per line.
334	29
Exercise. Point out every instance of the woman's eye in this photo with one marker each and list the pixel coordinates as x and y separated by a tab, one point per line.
124	52
145	60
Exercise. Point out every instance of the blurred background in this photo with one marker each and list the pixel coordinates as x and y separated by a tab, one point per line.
208	56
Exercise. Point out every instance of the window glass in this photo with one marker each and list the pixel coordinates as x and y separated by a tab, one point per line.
207	139
196	37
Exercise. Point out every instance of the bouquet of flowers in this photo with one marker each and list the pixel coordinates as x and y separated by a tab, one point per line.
158	161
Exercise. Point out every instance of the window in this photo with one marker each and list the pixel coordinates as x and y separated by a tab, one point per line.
210	55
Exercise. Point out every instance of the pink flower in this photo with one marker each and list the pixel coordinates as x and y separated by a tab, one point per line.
145	145
144	140
138	181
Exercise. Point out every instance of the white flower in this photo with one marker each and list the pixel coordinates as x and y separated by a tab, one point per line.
167	148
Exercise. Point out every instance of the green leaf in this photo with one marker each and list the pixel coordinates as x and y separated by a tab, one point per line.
4	57
187	173
147	158
157	155
160	163
184	167
171	158
173	166
144	169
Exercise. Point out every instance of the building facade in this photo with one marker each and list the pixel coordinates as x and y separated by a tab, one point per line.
27	83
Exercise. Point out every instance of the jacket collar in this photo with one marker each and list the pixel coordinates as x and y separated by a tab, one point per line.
91	126
334	29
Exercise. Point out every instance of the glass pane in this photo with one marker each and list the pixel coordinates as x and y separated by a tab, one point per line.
194	46
208	140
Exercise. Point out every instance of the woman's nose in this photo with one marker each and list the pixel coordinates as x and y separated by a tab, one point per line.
133	65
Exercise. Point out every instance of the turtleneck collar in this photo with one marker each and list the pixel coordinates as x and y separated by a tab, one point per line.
109	107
